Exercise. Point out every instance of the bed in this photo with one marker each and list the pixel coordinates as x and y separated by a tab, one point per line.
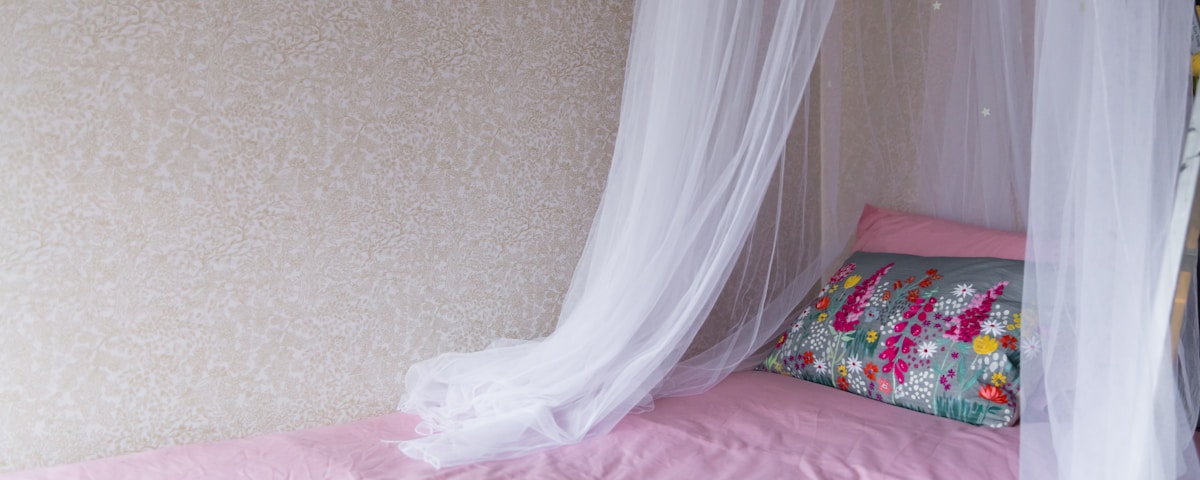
785	419
753	423
759	423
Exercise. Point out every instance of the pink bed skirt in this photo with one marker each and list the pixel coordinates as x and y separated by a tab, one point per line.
752	425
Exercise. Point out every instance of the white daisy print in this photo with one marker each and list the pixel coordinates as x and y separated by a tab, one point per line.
964	290
821	366
926	349
992	327
1029	346
854	364
795	327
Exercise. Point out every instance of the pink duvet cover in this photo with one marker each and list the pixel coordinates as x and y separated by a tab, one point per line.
752	425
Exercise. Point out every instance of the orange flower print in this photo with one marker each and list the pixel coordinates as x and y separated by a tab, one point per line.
1008	342
886	387
808	357
910	280
887	295
897	285
843	384
782	338
912	295
871	370
993	394
823	303
925	283
932	271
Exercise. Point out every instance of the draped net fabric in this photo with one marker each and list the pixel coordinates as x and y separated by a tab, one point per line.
1109	108
711	92
736	181
972	157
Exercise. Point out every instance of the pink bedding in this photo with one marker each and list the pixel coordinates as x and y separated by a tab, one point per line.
752	425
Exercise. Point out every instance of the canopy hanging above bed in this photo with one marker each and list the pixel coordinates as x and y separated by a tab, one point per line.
738	173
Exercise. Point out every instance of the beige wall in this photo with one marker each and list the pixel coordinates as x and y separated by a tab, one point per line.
226	217
896	64
871	105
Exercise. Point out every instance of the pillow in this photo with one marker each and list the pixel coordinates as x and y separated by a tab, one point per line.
889	231
933	334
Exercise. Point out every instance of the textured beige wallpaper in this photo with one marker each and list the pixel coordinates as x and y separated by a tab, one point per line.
871	104
224	217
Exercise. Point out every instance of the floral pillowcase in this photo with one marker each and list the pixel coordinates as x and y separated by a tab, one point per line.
933	334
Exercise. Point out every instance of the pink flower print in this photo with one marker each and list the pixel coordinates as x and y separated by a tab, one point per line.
920	308
914	307
901	368
966	325
884	386
847	317
842	273
889	353
894	365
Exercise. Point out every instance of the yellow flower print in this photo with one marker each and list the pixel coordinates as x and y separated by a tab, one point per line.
872	336
853	280
1016	323
833	288
822	317
984	344
998	379
842	370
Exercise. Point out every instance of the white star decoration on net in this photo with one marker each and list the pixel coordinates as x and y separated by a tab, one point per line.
937	5
987	112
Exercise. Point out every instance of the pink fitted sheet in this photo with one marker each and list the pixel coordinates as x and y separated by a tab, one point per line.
752	425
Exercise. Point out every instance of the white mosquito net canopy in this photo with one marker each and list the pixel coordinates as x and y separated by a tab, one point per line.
752	133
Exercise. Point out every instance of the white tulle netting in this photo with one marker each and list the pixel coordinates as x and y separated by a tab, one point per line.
752	132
